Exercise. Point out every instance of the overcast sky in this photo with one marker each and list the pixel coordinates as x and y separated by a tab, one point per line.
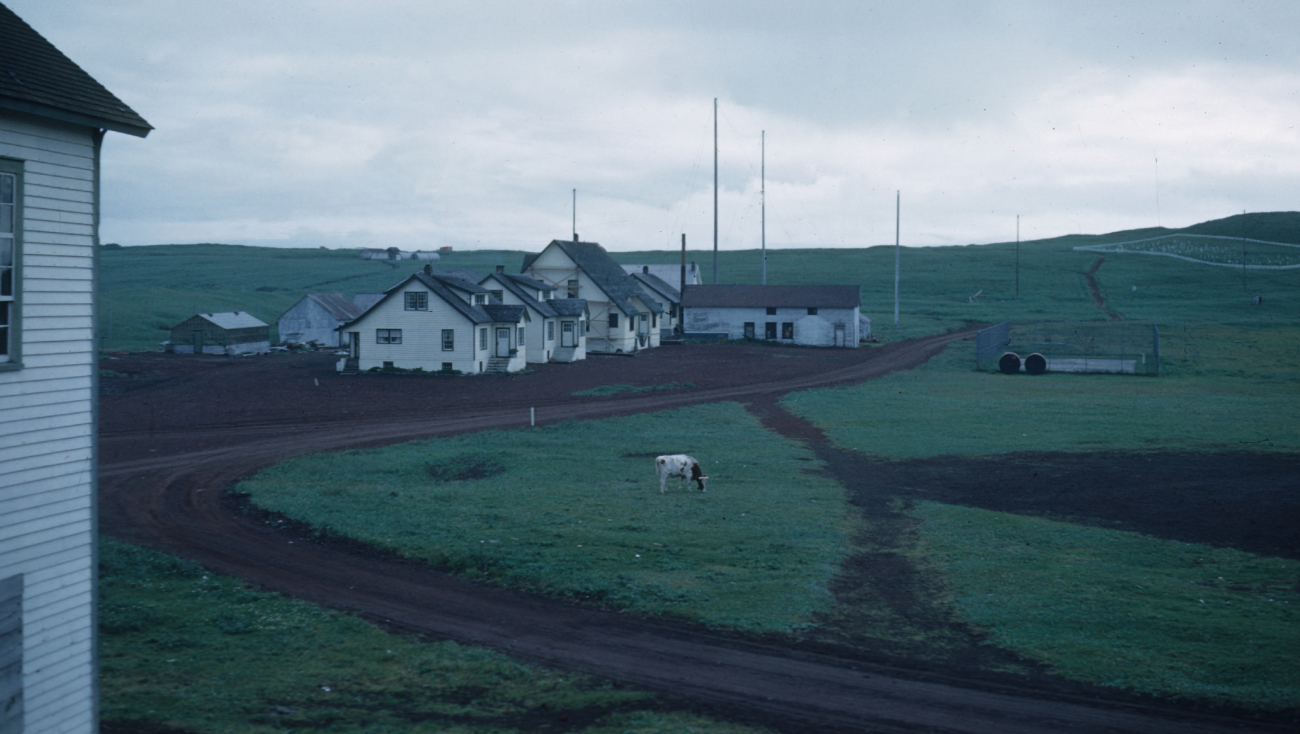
419	124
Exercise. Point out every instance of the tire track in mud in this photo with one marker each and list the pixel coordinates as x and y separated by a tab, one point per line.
162	492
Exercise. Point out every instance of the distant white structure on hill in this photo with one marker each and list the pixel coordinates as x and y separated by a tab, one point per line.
392	253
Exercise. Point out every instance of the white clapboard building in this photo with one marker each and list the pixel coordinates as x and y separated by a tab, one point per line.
53	117
807	315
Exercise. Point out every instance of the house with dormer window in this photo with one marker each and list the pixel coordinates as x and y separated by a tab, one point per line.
622	318
557	332
438	320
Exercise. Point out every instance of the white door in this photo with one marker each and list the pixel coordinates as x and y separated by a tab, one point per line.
566	334
503	342
839	336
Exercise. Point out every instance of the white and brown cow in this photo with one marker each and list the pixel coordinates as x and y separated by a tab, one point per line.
684	467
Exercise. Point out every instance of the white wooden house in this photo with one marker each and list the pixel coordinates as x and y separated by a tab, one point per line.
53	118
553	335
668	298
438	321
670	274
622	319
808	315
316	317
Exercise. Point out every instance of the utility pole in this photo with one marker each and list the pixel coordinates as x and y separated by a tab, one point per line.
715	190
898	208
762	196
1017	256
575	215
681	305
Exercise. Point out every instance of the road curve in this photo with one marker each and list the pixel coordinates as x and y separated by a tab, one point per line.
170	497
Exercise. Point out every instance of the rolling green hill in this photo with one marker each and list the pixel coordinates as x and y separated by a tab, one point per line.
146	290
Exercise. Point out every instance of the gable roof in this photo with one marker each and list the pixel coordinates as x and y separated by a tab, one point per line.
336	305
524	287
608	275
657	285
670	274
569	306
442	286
230	320
772	296
36	78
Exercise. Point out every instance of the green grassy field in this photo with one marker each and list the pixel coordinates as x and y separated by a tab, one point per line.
181	647
1121	609
755	552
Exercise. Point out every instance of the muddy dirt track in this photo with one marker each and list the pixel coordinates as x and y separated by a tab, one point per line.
177	431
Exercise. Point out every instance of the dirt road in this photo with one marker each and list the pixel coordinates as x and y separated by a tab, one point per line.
176	432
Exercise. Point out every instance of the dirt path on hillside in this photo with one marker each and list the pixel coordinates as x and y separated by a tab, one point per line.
176	432
1097	299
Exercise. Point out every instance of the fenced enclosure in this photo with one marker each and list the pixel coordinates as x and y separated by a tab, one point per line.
1071	347
1231	252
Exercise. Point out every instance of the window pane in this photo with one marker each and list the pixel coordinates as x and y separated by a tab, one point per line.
6	219
6	188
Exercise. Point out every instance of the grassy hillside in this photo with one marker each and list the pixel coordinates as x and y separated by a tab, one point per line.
146	290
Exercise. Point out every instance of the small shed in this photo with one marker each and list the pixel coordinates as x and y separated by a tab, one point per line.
236	332
316	318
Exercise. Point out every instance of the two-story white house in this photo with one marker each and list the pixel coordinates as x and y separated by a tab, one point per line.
809	315
554	335
668	298
438	321
53	119
622	318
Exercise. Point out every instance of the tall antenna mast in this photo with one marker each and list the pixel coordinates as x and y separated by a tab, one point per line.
898	208
715	190
575	215
1017	256
762	196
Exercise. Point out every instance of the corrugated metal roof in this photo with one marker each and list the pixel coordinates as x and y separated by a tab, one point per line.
233	320
772	296
35	77
337	306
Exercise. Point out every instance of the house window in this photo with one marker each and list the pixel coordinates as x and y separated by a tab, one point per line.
573	289
812	312
520	338
613	320
417	301
749	329
388	336
586	327
448	340
550	331
769	331
11	227
787	330
482	338
479	299
11	652
771	310
446	367
498	295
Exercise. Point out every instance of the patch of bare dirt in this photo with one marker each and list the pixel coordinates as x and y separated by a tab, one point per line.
178	431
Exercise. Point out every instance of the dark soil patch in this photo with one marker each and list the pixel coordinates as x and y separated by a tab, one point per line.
478	466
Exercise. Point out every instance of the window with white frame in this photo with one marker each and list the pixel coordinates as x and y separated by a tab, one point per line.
388	336
482	338
417	301
550	331
10	257
448	340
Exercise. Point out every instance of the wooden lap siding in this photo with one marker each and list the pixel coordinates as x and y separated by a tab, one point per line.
46	424
421	336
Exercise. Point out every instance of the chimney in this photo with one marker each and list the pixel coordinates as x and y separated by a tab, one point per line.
575	236
645	269
428	270
501	268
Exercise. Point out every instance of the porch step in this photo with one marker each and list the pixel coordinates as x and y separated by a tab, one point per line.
497	364
564	354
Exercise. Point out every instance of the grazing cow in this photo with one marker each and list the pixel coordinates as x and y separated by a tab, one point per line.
684	467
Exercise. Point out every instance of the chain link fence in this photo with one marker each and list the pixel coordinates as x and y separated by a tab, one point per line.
1122	348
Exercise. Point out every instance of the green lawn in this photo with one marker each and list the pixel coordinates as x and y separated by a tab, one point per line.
575	510
182	647
1121	609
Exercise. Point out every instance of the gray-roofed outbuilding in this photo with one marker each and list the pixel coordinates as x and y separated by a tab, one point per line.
229	333
809	315
316	318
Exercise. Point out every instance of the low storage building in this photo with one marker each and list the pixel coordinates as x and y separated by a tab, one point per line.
807	315
236	332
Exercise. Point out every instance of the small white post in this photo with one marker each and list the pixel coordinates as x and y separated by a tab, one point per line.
532	416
